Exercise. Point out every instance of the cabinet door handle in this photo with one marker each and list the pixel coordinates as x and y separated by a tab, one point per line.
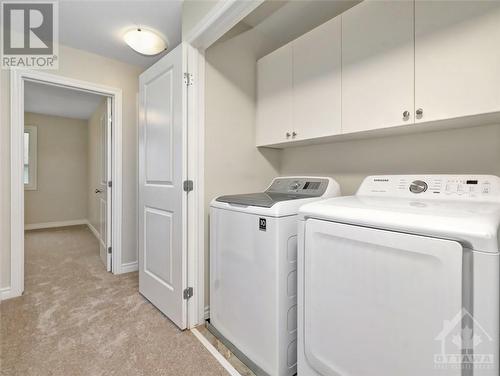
287	134
419	112
294	134
406	115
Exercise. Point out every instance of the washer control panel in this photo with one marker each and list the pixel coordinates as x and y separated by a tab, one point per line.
453	187
306	186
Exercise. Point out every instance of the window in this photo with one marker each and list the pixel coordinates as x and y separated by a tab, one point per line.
30	140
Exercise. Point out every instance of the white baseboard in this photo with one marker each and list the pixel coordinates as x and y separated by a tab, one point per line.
124	268
94	231
207	312
215	353
6	293
74	222
129	267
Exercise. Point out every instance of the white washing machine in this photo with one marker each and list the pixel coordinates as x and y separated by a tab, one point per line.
401	279
253	271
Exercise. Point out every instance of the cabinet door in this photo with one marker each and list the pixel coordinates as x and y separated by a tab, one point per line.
317	89
377	65
274	97
457	58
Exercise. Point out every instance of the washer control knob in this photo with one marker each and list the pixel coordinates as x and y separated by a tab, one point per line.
418	186
295	186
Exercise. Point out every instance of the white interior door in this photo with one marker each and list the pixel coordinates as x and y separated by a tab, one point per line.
375	302
109	185
105	186
162	201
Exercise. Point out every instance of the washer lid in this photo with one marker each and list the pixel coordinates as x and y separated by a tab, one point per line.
282	189
283	197
262	199
474	224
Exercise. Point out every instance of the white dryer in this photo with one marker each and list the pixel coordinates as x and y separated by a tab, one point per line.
253	271
401	279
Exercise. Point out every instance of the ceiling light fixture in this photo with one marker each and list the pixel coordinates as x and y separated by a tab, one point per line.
146	42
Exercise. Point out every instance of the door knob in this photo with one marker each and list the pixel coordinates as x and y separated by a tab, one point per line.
406	115
419	112
98	191
288	134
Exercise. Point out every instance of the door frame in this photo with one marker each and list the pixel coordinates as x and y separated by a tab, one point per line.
17	80
218	21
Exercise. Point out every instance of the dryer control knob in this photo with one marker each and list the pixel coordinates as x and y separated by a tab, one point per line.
418	186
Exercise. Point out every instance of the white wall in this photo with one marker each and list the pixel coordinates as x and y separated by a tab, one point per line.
232	162
62	151
193	12
473	150
86	66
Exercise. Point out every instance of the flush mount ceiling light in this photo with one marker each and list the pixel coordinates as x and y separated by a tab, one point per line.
145	41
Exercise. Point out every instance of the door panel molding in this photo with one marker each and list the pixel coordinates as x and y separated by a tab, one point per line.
167	233
152	141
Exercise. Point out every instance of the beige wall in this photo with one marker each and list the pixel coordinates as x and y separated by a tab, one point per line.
193	12
62	151
86	66
232	162
457	151
94	165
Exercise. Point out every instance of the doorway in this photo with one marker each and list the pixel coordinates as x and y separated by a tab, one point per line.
40	103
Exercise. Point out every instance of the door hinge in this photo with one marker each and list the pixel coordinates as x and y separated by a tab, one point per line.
110	184
188	79
188	185
109	250
188	293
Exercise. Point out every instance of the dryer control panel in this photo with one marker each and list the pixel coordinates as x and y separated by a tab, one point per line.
452	187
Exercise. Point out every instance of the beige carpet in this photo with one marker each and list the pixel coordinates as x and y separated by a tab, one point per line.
76	319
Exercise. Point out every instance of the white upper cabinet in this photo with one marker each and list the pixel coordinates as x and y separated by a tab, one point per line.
384	64
377	65
317	83
274	93
457	58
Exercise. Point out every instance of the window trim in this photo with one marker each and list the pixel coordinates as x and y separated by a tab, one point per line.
33	153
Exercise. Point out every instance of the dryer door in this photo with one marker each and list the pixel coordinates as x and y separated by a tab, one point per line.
376	302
